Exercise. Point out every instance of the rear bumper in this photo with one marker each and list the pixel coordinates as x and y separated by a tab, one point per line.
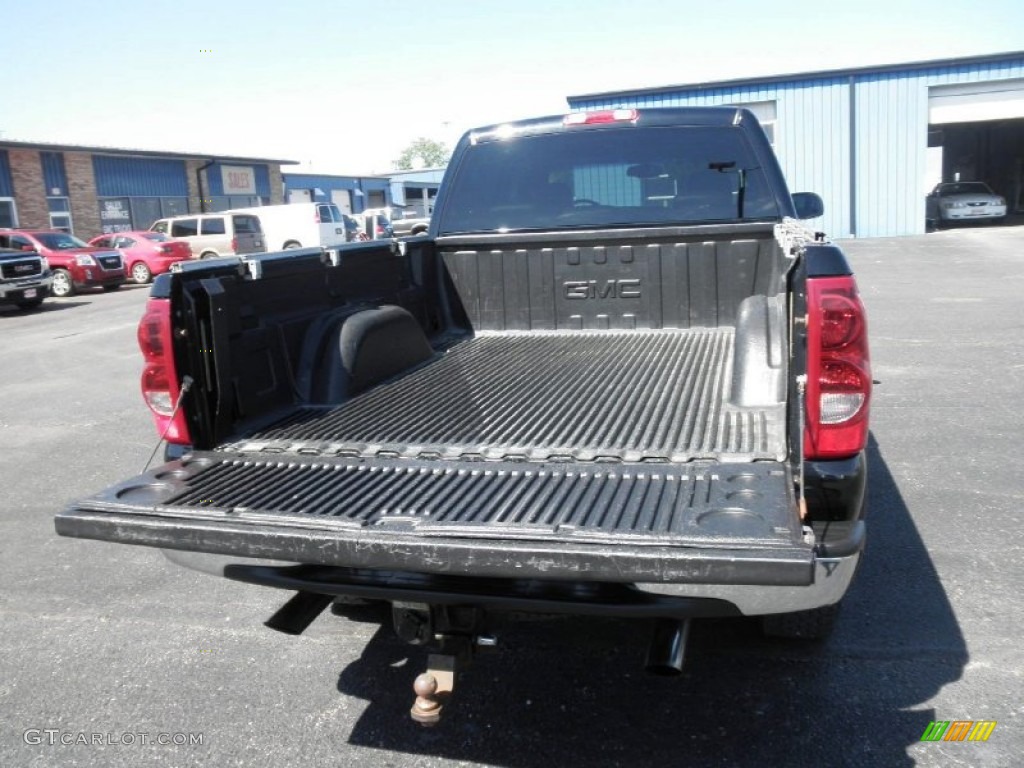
968	214
831	579
521	576
163	266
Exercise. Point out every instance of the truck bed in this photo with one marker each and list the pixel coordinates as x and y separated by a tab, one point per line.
639	396
643	472
542	435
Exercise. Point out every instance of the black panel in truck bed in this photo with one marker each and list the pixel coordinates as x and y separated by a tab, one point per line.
576	396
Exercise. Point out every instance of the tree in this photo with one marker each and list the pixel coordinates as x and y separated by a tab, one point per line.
423	153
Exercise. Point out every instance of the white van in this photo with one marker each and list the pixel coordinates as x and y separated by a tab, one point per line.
226	233
299	225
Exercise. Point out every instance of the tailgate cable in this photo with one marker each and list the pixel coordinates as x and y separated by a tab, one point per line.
186	385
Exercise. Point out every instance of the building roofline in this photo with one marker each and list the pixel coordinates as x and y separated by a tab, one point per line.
800	76
352	176
46	147
417	170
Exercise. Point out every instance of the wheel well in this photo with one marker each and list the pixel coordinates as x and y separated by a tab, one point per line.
209	255
292	244
419	229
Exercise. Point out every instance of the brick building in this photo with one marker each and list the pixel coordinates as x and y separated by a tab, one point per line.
89	190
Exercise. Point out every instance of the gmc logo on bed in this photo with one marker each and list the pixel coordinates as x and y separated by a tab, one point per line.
606	289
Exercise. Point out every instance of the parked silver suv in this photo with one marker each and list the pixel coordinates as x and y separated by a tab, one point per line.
215	234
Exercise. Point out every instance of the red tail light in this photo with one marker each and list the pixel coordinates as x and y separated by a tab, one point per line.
234	245
159	378
601	116
838	370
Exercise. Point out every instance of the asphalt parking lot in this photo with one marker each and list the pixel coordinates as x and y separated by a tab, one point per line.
105	639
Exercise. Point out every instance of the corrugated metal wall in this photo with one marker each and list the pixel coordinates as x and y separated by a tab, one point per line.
325	183
139	177
892	138
319	181
813	137
6	187
54	177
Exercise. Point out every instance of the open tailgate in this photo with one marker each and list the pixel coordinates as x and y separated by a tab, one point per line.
616	522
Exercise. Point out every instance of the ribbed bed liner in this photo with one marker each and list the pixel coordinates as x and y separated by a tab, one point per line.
629	397
701	523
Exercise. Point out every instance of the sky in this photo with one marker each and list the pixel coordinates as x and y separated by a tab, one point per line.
343	87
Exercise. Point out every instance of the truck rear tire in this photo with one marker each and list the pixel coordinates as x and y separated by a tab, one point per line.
815	624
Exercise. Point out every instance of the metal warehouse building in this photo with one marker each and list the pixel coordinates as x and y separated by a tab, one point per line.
89	190
873	141
412	190
352	194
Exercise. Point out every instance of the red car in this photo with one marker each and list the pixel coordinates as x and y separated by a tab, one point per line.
145	253
75	265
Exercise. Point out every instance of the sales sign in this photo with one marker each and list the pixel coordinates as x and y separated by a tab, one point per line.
238	180
115	216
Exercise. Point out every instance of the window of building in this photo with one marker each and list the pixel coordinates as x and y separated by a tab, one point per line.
174	206
375	198
60	213
8	213
230	202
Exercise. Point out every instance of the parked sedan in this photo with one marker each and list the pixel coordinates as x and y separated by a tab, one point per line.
963	201
145	253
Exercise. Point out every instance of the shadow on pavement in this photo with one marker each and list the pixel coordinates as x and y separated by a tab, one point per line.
573	692
50	305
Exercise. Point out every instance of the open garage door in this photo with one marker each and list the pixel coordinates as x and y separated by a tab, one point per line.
976	133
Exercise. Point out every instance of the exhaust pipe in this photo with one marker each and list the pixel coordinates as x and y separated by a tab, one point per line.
668	647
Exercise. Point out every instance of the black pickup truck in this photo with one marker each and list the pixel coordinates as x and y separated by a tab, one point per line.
25	278
618	377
